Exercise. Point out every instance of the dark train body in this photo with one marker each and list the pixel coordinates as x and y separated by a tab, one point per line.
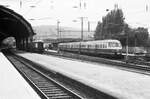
36	46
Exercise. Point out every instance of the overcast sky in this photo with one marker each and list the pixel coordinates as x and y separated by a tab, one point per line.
136	12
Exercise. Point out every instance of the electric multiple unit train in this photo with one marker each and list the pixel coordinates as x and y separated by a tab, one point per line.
105	47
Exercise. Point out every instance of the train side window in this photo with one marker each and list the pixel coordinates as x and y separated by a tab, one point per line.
97	46
109	44
100	46
83	46
90	46
86	46
117	44
77	46
36	45
114	44
104	46
93	46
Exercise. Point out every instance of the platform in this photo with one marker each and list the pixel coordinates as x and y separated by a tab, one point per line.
12	84
119	83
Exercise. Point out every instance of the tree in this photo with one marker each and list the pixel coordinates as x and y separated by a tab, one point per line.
114	27
136	37
112	24
98	32
141	36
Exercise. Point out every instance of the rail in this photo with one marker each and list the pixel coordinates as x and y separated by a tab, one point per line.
44	86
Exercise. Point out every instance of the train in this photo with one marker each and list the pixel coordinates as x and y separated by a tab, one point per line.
36	46
109	47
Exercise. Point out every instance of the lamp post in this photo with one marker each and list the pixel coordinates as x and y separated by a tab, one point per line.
82	6
82	19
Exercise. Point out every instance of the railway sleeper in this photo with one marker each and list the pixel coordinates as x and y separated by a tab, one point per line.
53	90
42	87
58	91
62	97
47	85
58	95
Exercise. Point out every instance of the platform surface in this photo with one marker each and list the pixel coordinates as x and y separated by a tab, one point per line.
120	83
12	84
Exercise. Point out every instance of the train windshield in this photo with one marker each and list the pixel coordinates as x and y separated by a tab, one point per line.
114	44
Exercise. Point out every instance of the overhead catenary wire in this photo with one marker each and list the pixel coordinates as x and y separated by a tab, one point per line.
35	5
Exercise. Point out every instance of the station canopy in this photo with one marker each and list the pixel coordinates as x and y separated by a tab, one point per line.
13	25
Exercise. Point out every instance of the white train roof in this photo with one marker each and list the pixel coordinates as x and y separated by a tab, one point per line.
101	41
92	42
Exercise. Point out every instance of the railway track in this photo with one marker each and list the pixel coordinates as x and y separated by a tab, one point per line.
46	87
52	85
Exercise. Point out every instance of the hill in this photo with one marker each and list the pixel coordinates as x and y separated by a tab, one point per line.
50	32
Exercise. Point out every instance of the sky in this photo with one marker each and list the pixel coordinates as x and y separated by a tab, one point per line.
48	12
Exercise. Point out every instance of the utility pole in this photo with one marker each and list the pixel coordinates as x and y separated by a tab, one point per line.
58	22
88	26
20	4
82	18
82	28
127	48
135	40
127	40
